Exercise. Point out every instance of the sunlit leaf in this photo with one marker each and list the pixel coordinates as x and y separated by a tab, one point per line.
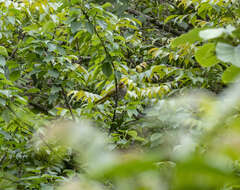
205	55
228	53
3	51
230	74
190	37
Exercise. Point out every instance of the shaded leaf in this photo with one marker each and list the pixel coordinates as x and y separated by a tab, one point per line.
15	75
90	27
107	69
2	61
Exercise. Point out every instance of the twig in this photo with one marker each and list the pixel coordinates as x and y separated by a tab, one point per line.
67	103
3	157
20	37
114	69
16	48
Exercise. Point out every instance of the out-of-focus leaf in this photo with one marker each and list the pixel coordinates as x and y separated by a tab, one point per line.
230	74
211	33
190	37
205	55
228	53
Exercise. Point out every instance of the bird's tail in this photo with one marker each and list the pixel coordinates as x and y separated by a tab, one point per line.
101	100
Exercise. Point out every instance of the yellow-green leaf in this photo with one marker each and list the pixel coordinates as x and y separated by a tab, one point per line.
205	55
3	51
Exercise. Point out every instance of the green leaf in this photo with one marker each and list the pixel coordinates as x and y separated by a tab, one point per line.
118	75
132	133
33	90
211	33
205	55
55	89
54	18
6	135
6	115
53	73
2	61
48	26
11	19
128	168
6	93
107	69
230	74
102	23
48	58
15	75
90	27
51	47
156	137
228	53
170	18
3	51
81	69
75	26
106	5
190	37
2	101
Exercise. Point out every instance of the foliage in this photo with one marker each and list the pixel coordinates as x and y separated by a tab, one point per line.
57	58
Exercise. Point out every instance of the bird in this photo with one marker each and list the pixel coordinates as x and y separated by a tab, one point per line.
122	91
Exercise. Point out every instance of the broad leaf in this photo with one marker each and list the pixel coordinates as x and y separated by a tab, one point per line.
190	37
3	51
205	55
15	75
230	74
107	69
228	53
2	61
75	26
211	33
90	27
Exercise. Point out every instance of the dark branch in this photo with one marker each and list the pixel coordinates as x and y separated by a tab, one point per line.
114	69
67	104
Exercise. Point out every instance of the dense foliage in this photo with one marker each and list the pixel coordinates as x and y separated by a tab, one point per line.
176	128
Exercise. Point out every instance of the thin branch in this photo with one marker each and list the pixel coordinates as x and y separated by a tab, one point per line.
67	103
21	37
3	157
114	68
